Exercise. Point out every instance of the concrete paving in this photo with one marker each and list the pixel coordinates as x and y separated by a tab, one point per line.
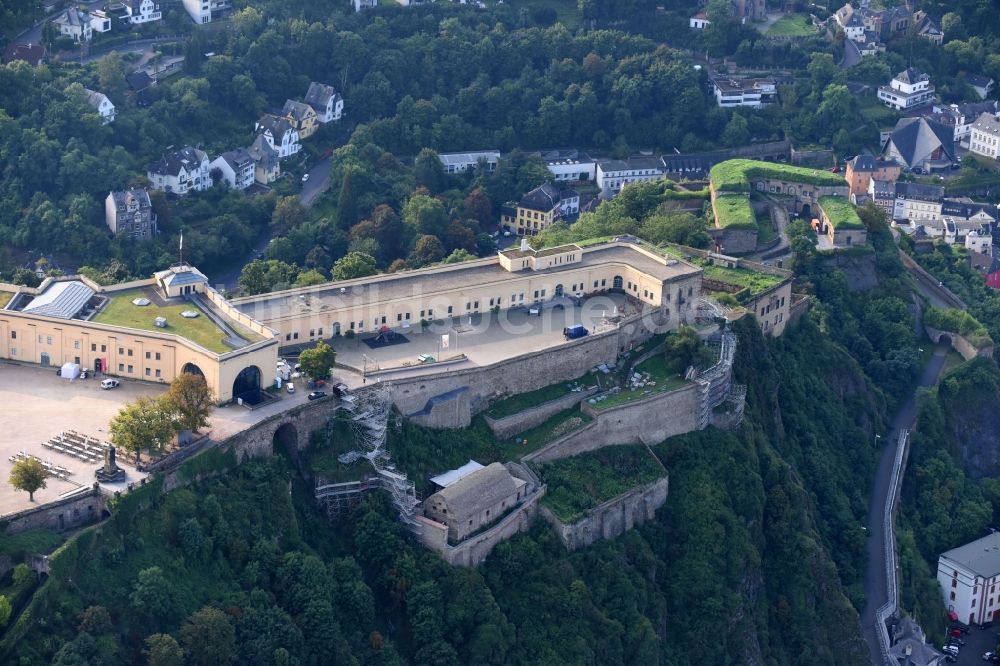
483	339
37	405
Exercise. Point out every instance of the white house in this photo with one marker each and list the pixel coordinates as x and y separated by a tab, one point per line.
567	166
99	21
983	85
327	102
752	93
984	136
851	23
969	576
978	240
364	4
918	203
75	24
908	89
237	167
180	172
613	175
103	105
699	21
569	203
142	11
203	11
462	162
279	134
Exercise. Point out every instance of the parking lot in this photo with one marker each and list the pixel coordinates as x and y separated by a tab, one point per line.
35	405
977	641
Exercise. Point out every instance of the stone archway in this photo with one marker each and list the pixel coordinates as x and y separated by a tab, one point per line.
247	384
192	369
286	441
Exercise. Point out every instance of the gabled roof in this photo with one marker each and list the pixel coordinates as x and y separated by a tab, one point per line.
967	209
453	476
479	490
868	162
319	94
72	17
919	192
95	99
262	153
61	300
978	80
297	110
170	164
911	75
884	189
30	53
275	125
915	137
139	81
543	198
236	159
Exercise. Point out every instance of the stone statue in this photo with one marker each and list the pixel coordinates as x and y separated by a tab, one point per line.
110	472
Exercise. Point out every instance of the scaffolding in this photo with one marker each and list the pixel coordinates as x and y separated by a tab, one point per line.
368	412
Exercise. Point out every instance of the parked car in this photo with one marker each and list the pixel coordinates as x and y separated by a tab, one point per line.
316	395
109	384
340	389
956	641
305	177
425	358
955	632
319	382
574	332
960	627
949	649
290	387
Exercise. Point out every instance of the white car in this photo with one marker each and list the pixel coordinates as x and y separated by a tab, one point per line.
305	177
290	387
109	384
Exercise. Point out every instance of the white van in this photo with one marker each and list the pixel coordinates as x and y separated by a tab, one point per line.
109	384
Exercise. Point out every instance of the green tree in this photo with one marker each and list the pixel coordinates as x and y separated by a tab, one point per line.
426	250
309	278
191	401
146	424
347	203
428	170
737	131
163	650
318	361
458	256
425	215
253	278
288	214
152	595
111	75
671	225
23	575
479	208
5	610
683	348
95	620
209	638
353	265
28	475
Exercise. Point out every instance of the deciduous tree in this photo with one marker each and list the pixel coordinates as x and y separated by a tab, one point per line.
146	424
353	265
191	401
209	638
28	475
318	361
163	650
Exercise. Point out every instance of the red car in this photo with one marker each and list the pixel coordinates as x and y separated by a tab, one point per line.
955	633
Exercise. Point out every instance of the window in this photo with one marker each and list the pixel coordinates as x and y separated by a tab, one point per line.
148	371
157	356
13	335
121	367
319	332
41	339
48	340
104	348
312	332
952	596
954	583
399	316
121	351
288	336
13	351
157	372
421	314
295	336
148	354
449	309
430	313
130	369
76	344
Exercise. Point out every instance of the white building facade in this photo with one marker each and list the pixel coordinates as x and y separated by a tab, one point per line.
328	103
908	89
180	172
104	107
750	93
142	11
237	168
969	576
984	136
203	11
613	175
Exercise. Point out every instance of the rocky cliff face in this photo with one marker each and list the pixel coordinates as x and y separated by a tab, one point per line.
977	432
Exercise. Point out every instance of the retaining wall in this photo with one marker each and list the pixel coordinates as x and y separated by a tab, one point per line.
611	519
508	426
649	421
60	515
960	344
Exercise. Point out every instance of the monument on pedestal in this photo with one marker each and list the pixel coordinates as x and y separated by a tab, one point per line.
111	472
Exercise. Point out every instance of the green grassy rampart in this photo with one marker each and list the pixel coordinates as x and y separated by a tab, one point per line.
735	175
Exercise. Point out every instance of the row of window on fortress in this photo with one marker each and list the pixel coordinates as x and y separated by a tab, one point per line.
48	340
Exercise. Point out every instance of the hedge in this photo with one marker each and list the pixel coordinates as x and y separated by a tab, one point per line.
841	213
735	175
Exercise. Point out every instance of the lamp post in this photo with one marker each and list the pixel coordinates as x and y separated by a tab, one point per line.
877	437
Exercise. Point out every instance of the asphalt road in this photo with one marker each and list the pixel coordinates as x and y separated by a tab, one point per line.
319	181
230	278
33	35
876	585
852	56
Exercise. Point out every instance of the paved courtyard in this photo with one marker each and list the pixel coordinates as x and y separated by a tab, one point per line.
35	405
483	338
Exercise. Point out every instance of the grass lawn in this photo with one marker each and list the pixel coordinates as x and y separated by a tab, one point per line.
561	424
121	312
665	379
792	25
585	481
522	401
741	277
765	230
38	542
5	297
841	212
735	175
734	212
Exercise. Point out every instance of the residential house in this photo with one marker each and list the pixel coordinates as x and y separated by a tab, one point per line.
886	23
883	194
864	168
139	81
967	210
968	576
267	166
99	20
75	24
983	85
475	500
907	90
850	22
538	209
180	171
462	162
752	93
928	28
568	165
237	168
325	101
30	53
613	175
142	11
992	280
961	117
279	134
130	213
870	45
302	117
204	11
910	648
699	21
984	136
918	203
979	240
364	4
104	107
921	145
